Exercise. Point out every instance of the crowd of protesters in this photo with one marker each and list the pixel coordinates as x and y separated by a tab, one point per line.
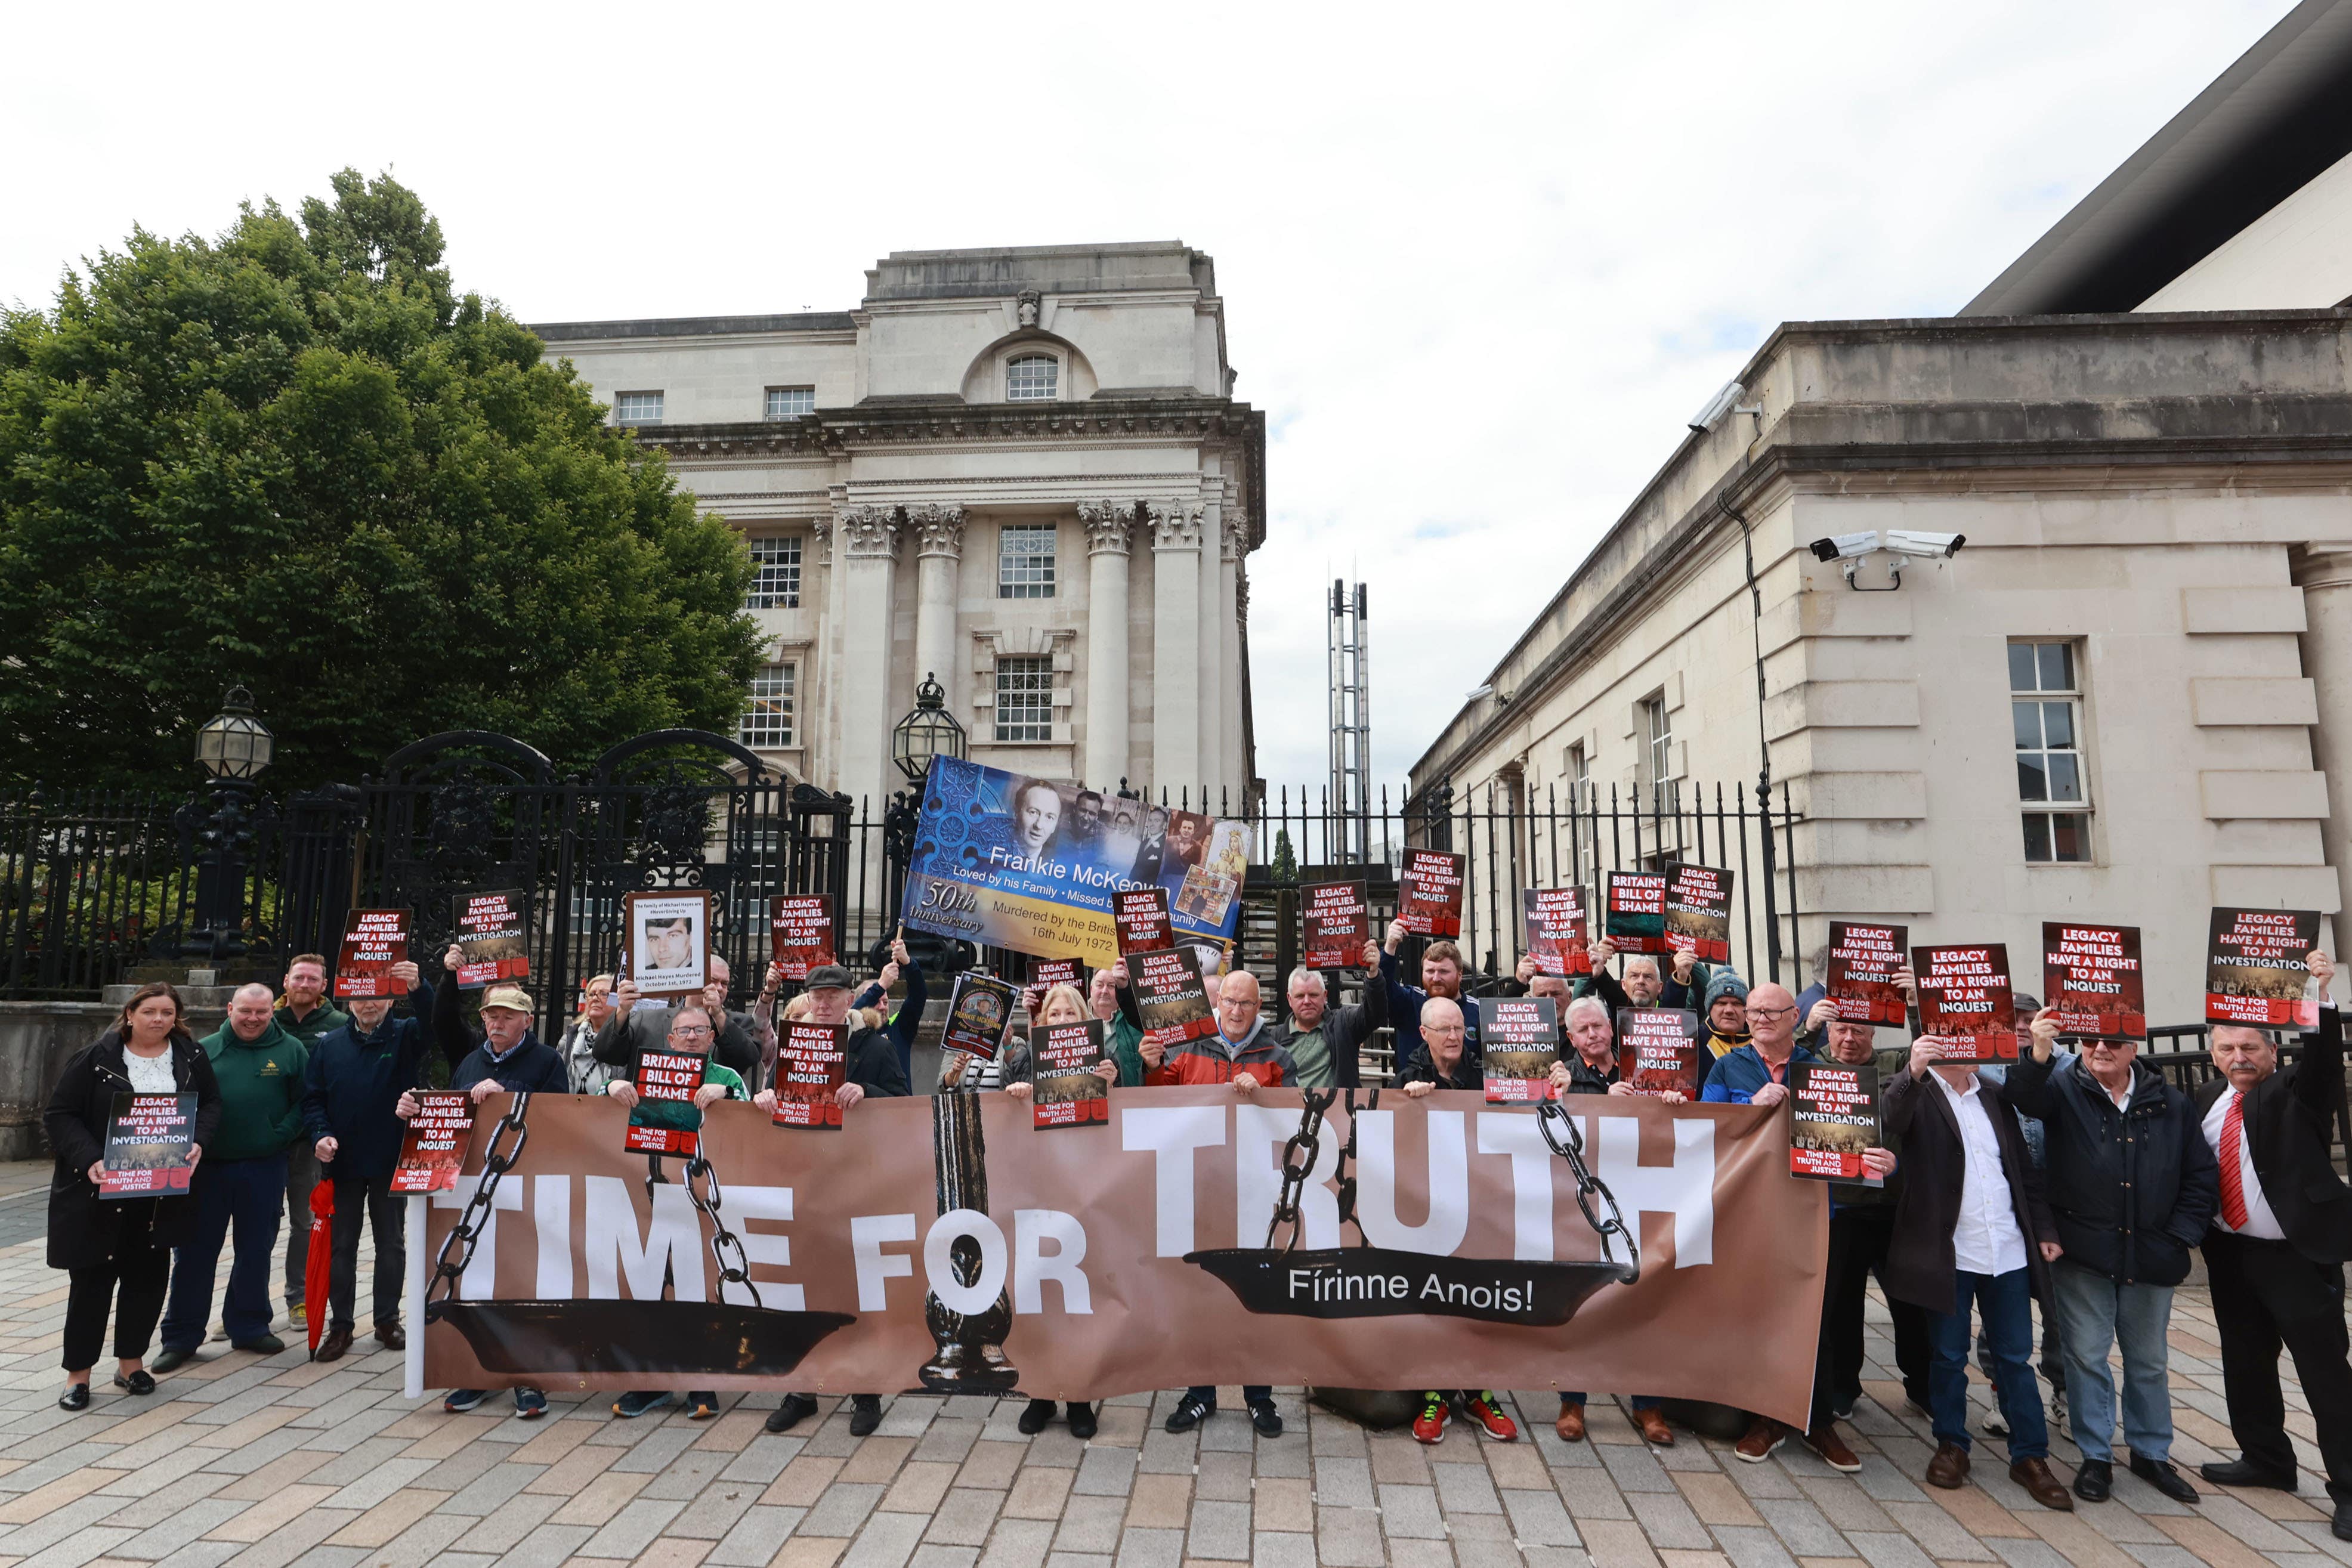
2075	1185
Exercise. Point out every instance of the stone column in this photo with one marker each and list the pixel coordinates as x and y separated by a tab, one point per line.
1176	646
938	557
1234	765
819	714
1110	527
2324	573
1211	770
866	555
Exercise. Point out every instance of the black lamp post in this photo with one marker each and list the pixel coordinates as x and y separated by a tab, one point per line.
928	730
233	746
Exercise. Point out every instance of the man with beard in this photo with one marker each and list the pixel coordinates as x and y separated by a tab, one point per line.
1441	976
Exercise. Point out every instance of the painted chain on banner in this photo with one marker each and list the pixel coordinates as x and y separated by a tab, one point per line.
1005	860
1198	1237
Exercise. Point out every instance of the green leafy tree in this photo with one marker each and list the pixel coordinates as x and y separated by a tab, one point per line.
295	458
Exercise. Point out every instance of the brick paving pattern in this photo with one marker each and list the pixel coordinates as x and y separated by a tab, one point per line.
261	1461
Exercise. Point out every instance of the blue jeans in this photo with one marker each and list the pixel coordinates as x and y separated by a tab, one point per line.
2093	1313
245	1195
1640	1401
2007	1302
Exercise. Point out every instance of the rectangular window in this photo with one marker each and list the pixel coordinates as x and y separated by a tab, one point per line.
1657	765
637	408
1025	699
775	575
2045	711
1578	768
1025	562
768	721
791	403
1031	377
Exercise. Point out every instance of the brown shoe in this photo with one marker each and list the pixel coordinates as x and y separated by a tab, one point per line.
1570	1425
2040	1485
331	1348
1655	1430
390	1336
1764	1435
1823	1441
1949	1468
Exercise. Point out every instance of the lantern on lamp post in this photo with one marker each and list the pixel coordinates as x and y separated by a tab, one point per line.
232	747
928	730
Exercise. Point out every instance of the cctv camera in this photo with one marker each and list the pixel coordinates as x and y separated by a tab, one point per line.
1846	547
1907	541
1718	405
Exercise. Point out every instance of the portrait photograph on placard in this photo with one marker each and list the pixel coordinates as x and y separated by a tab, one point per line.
667	937
979	1009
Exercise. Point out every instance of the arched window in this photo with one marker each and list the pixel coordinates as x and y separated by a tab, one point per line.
1033	378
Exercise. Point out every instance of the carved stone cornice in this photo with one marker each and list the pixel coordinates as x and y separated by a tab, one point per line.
938	528
870	532
1176	525
1109	524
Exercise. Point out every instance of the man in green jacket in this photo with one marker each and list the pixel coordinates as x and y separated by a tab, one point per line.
240	1184
305	1013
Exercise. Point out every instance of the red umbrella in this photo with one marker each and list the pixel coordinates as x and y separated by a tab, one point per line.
317	1268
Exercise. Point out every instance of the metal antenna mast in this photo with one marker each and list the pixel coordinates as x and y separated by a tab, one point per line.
1352	725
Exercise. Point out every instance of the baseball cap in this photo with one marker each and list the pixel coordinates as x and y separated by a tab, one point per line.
511	996
826	977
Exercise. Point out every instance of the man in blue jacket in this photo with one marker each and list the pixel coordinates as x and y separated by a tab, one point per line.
354	1079
1441	976
2137	1185
1756	1073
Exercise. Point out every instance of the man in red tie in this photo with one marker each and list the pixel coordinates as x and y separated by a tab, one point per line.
2276	1251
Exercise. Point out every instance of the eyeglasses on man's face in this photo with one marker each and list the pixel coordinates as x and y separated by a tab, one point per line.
689	1030
1766	1015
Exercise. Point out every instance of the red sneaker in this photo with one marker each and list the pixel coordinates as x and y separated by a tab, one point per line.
1429	1427
1499	1427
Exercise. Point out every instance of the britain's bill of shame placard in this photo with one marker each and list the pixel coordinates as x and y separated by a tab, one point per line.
1635	920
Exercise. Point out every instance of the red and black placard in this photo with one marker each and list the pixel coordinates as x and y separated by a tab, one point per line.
1519	1039
374	942
2257	968
811	1062
1170	996
666	1119
1337	918
1967	1001
489	930
1658	1051
1698	912
1558	930
1429	892
1069	1093
2090	975
1833	1111
1140	916
1861	973
1635	920
800	933
433	1150
149	1142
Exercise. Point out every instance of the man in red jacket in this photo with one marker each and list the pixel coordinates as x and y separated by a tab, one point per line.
1239	1054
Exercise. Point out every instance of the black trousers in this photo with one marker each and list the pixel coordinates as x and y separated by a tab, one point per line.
386	1213
1859	1238
2266	1296
133	1284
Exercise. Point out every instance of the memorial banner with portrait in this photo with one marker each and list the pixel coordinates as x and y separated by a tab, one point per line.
1032	864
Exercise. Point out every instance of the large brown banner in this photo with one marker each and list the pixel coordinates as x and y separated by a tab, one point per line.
1102	1259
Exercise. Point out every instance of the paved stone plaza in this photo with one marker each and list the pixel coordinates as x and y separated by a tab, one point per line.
269	1460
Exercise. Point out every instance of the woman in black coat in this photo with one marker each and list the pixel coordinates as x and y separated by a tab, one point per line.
119	1248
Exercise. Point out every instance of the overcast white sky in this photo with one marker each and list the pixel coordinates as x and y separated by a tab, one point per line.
1479	263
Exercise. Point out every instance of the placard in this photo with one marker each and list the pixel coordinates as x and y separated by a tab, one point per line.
149	1141
489	930
374	942
2256	971
665	939
1069	1091
1144	926
979	1009
2090	975
1965	1001
666	1119
1861	973
1698	910
1429	892
1170	996
1634	919
1657	1052
434	1148
1519	1039
800	933
811	1062
1337	918
1834	1117
1558	930
1045	973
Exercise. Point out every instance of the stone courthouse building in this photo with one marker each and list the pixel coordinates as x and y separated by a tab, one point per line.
1020	471
2129	695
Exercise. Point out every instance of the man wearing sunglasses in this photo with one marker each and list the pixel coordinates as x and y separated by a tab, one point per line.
2139	1186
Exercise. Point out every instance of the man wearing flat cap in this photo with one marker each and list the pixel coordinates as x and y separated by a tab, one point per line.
870	1070
507	1057
637	1027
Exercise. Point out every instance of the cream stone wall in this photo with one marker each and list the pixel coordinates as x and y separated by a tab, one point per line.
2174	500
2297	254
899	485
